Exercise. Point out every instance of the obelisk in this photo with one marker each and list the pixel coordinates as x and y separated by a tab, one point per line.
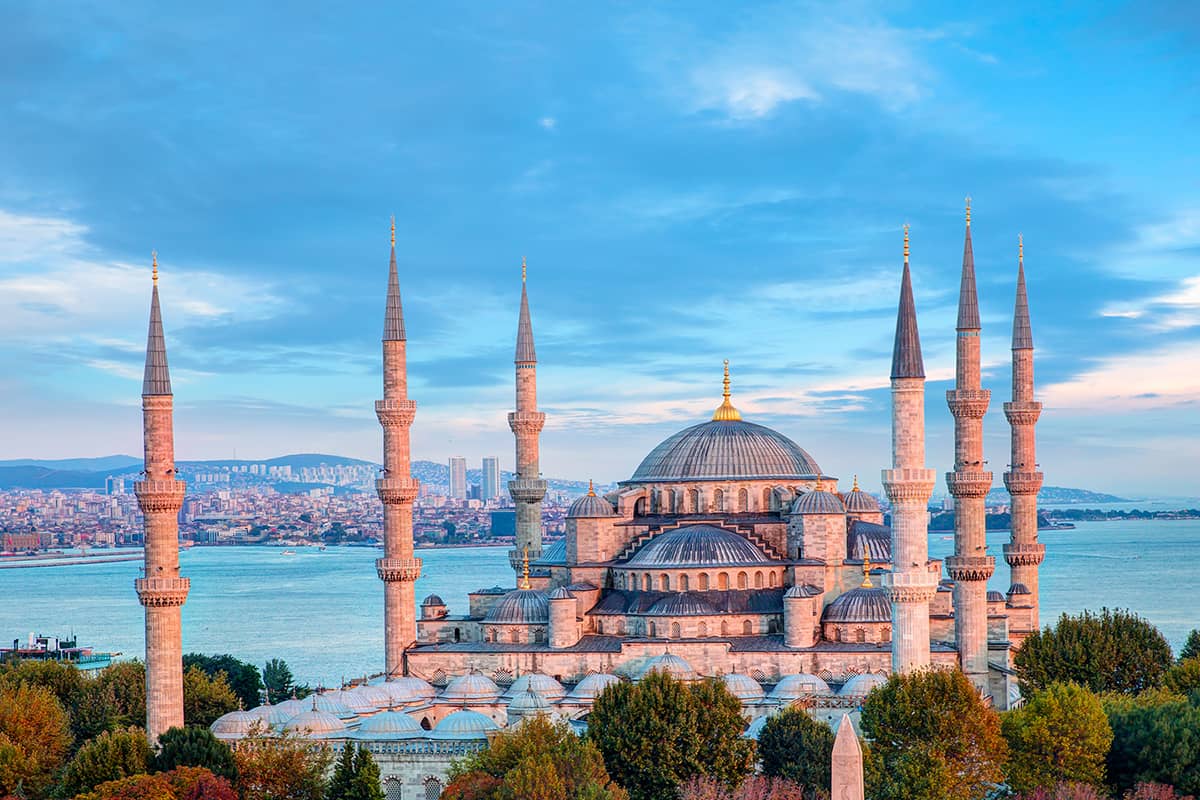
847	783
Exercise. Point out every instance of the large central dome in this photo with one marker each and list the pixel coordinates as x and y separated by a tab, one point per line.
726	449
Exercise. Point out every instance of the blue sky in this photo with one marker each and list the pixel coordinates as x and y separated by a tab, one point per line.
690	182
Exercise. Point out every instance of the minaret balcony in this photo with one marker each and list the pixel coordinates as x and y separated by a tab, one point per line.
1022	413
1024	555
395	412
1021	482
160	496
162	592
918	586
909	485
527	490
970	568
968	484
526	422
397	490
968	403
392	570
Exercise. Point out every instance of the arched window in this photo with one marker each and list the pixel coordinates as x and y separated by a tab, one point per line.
646	583
515	636
887	634
747	628
392	789
773	579
718	500
426	724
704	581
766	506
664	583
743	501
674	630
723	580
639	507
620	627
683	583
741	578
457	635
693	501
600	627
539	635
651	630
702	629
758	580
724	628
433	788
860	635
772	626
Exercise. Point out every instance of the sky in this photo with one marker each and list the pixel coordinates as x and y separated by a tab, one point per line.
690	182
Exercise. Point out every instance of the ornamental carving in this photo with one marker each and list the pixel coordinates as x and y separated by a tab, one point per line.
911	491
1022	413
526	422
527	490
159	496
970	568
1019	483
398	569
162	592
969	484
395	412
1024	555
968	403
397	490
911	594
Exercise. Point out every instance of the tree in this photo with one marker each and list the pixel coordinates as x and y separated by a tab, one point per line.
278	680
1113	651
243	678
932	738
537	760
197	783
343	775
123	686
1155	791
205	698
755	787
1065	791
63	680
1184	677
110	756
1156	738
1061	735
656	734
366	783
795	746
283	767
181	783
194	746
1191	647
35	736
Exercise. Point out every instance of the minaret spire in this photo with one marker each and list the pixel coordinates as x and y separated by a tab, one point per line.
160	496
398	569
910	585
970	566
527	488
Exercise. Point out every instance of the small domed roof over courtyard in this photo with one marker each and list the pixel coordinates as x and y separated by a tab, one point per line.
471	687
537	682
671	664
233	725
859	502
861	685
697	545
408	689
792	687
592	685
743	687
860	605
520	607
465	724
389	725
315	723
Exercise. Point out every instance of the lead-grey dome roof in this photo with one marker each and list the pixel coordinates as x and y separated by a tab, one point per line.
860	605
697	545
682	605
818	501
726	450
590	505
521	606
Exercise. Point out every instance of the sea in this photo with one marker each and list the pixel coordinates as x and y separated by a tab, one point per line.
322	610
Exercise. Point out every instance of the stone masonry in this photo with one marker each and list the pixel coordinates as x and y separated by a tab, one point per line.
527	488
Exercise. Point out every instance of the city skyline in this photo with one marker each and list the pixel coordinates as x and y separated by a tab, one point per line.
781	257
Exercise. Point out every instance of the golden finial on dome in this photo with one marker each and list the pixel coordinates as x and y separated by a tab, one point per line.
855	487
524	584
726	412
906	243
522	269
866	584
968	211
591	488
820	487
154	261
393	230
1021	249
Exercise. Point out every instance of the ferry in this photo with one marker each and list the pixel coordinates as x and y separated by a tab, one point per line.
288	553
52	648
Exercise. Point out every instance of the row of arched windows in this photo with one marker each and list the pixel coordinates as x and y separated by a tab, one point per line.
682	582
673	630
690	501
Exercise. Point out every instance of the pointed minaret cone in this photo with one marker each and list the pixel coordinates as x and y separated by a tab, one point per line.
160	496
527	488
398	569
1024	553
970	566
910	585
847	764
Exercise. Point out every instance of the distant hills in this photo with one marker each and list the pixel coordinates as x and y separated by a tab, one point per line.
1059	494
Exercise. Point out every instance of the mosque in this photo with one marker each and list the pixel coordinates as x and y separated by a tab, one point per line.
729	553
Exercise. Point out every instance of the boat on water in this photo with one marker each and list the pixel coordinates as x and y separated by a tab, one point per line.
52	648
288	553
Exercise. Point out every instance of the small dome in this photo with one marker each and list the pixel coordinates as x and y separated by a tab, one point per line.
389	725
432	600
683	604
755	729
561	594
260	713
818	501
357	703
374	694
528	703
592	685
471	688
315	723
671	664
697	545
293	707
995	597
233	725
590	506
726	449
793	687
330	703
408	689
539	683
279	716
861	685
804	590
1018	588
743	687
859	502
520	607
465	724
860	605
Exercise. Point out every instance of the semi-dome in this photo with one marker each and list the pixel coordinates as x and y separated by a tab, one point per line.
743	687
537	682
389	725
861	685
671	664
859	502
793	687
520	607
561	594
233	725
818	501
860	605
471	688
408	689
465	724
590	506
726	449
315	723
592	685
697	545
683	604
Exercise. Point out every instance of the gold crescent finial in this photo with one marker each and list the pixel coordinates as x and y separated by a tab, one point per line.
154	261
726	412
855	489
591	488
968	210
522	269
393	230
1021	249
525	570
906	243
866	584
819	487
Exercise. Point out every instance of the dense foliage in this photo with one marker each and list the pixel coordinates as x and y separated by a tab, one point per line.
279	682
932	738
1191	647
756	787
206	698
282	767
539	760
355	777
795	746
660	732
1156	738
35	735
1184	677
1113	651
194	746
242	678
1060	736
111	756
181	783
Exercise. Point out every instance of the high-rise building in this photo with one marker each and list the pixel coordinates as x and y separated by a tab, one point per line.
114	485
458	477
489	481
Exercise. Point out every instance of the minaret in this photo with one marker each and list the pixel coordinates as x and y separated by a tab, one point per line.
160	496
397	489
910	585
527	488
970	566
1023	479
